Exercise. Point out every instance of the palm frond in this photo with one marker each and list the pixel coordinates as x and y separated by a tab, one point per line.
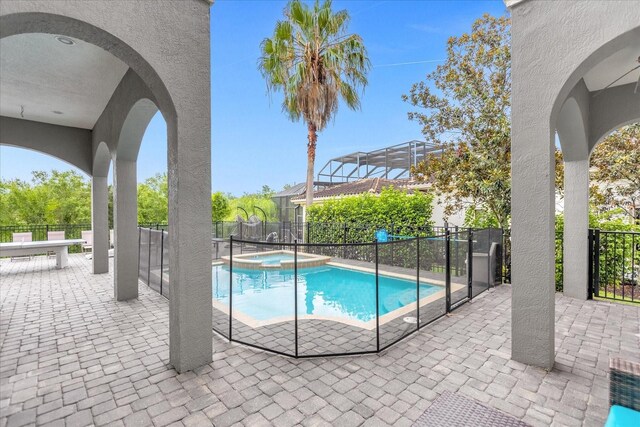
314	62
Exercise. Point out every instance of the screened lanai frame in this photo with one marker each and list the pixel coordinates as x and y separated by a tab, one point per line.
392	162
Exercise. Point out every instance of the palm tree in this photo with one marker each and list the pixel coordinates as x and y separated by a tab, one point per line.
312	60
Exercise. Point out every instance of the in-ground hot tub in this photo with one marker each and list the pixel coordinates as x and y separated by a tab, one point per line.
275	260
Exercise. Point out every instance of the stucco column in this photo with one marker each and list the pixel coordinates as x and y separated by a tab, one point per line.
190	324
576	225
100	223
125	218
532	235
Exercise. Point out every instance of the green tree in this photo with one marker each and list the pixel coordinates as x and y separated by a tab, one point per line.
248	202
267	191
616	171
50	198
153	200
69	197
478	218
465	107
314	62
219	207
24	203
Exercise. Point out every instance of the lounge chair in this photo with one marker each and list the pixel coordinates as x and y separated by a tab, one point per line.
624	393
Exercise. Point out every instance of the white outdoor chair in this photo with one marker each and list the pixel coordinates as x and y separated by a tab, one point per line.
112	240
54	235
87	235
21	237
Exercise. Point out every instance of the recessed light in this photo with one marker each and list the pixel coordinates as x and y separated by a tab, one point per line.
65	40
57	112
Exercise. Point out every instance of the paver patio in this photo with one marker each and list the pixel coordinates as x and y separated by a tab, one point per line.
71	355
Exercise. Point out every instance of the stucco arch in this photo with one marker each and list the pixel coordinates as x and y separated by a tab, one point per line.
615	108
49	23
71	145
140	82
74	166
612	130
589	60
133	129
572	131
167	49
554	46
101	160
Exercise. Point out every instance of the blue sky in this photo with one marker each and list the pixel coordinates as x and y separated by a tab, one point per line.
253	142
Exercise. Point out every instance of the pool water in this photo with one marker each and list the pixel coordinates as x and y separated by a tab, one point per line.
273	259
326	291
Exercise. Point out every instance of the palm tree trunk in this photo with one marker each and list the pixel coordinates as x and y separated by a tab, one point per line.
311	158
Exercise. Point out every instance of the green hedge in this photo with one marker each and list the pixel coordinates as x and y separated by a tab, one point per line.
354	219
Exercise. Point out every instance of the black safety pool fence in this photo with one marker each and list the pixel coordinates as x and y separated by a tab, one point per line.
153	259
318	299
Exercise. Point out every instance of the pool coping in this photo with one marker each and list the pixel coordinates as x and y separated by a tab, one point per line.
368	325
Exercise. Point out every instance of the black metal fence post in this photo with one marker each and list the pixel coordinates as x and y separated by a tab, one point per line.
489	282
149	259
634	277
161	259
393	233
447	267
377	301
344	240
295	290
470	263
457	251
418	282
230	284
139	247
596	263
590	265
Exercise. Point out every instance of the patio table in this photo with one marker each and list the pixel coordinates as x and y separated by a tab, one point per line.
60	247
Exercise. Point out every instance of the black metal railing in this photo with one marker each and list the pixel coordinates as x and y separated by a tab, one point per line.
614	265
316	232
380	292
259	231
71	231
40	232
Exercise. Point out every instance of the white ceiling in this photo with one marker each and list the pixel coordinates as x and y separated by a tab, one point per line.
613	67
44	75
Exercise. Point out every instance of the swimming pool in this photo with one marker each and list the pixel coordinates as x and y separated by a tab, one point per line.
327	291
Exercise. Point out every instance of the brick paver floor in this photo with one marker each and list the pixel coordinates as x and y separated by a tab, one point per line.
71	355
